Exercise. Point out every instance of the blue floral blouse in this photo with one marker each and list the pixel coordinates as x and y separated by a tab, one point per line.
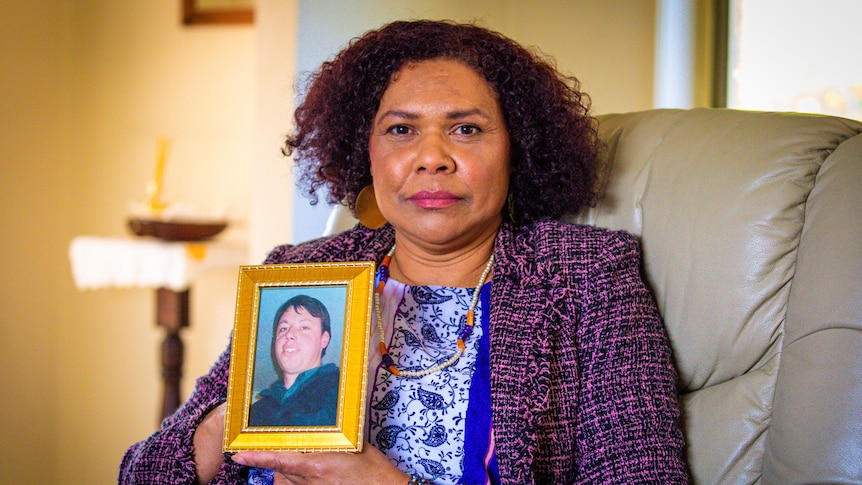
436	426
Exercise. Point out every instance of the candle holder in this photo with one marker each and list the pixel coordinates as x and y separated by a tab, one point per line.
161	219
175	230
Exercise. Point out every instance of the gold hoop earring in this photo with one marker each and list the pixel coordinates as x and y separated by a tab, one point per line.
367	210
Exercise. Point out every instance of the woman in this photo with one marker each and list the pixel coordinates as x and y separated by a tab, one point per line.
517	349
306	393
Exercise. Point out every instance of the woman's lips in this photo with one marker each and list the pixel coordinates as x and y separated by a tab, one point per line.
434	200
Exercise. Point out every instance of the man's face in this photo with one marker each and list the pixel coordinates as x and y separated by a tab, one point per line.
299	341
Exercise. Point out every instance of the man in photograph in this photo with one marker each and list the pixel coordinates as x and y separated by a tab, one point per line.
307	392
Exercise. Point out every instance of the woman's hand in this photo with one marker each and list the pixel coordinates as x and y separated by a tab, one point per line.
370	466
206	445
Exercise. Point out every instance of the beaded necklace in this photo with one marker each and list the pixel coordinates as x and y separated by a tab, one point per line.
463	335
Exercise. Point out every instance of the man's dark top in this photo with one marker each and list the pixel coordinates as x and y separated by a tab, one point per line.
312	400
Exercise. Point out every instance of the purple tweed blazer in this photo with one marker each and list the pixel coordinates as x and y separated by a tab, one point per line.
582	381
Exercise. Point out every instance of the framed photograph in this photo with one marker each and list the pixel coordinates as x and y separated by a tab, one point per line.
218	11
299	356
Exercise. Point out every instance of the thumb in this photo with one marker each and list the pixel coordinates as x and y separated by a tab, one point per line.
267	459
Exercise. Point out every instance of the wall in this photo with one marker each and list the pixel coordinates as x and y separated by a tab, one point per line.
271	216
33	162
87	88
608	46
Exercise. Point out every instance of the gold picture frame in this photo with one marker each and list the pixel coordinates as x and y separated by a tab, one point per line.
218	12
346	290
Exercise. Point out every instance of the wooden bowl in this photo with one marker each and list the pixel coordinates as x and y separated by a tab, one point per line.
175	230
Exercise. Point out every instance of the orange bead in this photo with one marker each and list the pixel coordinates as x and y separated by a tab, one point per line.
470	318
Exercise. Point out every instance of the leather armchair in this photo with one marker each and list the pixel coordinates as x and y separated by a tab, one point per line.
751	229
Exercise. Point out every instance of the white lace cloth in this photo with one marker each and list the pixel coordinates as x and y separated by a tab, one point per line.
101	262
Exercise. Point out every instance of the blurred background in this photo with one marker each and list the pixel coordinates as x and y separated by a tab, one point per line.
87	87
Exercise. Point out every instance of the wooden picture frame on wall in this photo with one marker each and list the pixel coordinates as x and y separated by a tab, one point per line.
275	305
197	12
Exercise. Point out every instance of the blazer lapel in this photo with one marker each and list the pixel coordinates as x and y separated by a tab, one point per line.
520	368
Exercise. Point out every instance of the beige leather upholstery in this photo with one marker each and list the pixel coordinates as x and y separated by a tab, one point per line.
751	226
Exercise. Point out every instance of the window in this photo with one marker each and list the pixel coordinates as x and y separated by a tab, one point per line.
795	55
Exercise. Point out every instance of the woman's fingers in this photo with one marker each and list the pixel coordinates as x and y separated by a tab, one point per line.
281	461
206	445
370	466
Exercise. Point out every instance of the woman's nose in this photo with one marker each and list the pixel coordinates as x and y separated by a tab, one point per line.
434	155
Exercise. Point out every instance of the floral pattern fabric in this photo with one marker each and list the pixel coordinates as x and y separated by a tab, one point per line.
420	423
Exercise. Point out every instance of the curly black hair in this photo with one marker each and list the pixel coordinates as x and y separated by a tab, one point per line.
554	142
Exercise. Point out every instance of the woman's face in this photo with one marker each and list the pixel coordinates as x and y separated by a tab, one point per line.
299	341
439	153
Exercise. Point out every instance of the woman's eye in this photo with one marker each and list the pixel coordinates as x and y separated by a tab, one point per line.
468	130
399	130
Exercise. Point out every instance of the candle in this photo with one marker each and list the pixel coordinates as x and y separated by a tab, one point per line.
161	160
154	188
